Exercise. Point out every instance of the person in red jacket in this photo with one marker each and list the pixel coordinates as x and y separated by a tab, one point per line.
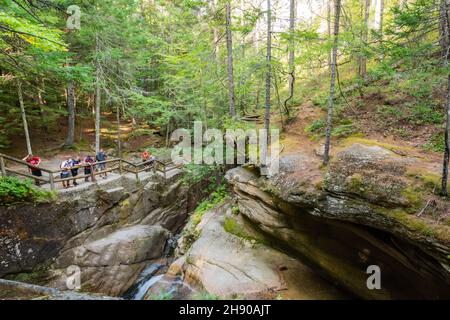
34	162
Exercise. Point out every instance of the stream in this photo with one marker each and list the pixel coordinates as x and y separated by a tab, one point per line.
154	284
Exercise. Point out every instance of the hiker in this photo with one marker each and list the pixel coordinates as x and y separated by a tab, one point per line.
147	158
100	157
75	163
66	165
34	161
87	162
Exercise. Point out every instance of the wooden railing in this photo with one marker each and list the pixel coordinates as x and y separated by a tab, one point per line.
54	176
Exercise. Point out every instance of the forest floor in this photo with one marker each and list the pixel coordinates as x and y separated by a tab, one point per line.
296	138
48	145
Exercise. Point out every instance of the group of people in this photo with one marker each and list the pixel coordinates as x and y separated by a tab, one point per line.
70	167
72	164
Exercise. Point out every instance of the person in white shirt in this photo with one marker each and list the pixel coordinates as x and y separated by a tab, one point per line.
66	165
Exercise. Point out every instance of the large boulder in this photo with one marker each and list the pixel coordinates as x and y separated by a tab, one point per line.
371	173
227	261
111	264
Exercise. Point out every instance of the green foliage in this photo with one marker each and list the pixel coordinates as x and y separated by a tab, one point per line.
194	173
231	226
14	191
425	114
140	132
204	295
215	199
161	296
316	126
343	129
436	143
235	210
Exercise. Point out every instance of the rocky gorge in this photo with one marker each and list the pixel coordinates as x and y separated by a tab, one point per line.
303	233
370	208
110	231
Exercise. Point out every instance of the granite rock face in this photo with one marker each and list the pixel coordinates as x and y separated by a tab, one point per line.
362	211
111	231
111	264
228	260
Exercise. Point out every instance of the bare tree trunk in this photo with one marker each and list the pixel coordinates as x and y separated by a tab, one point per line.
329	30
447	143
168	133
119	142
337	14
230	61
97	98
213	7
241	23
269	67
24	116
445	43
41	103
364	38
379	15
71	114
291	49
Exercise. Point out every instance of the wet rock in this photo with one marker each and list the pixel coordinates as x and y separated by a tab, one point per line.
111	264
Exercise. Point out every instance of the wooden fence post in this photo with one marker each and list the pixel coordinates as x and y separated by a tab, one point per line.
51	179
2	165
120	167
92	173
136	171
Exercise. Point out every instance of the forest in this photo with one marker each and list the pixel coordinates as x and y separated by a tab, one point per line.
163	64
359	91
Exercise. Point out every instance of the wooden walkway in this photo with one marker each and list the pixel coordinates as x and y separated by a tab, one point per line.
8	167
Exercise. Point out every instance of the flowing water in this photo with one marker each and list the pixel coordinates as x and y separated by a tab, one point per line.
142	290
153	283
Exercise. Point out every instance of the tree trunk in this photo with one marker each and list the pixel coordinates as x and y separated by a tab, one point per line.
230	61
337	13
71	114
445	43
364	38
379	15
213	7
329	30
97	98
119	143
24	116
291	49
447	143
41	103
269	67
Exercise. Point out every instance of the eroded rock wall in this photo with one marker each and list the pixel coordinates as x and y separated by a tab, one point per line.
111	231
362	213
